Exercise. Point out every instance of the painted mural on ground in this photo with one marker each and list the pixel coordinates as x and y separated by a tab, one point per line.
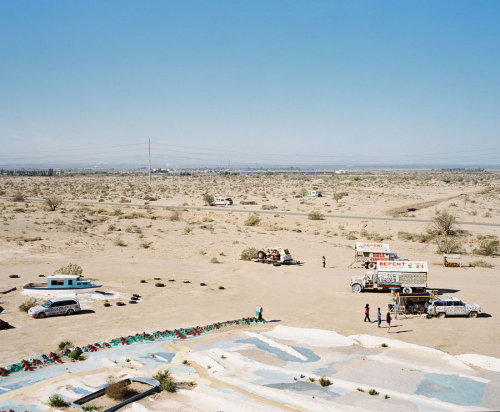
267	367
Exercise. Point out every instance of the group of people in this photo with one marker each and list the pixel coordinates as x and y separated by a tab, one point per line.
388	318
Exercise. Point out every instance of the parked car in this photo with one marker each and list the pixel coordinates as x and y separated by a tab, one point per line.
443	306
58	306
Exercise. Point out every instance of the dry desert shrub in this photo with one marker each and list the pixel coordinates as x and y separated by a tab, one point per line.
53	202
252	220
488	247
120	390
28	304
315	215
482	264
70	269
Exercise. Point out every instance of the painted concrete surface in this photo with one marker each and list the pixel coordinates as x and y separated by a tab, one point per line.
267	369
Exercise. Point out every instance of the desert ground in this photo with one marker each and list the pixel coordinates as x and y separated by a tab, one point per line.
125	231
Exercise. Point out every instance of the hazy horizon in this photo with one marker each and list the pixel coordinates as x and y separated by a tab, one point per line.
250	84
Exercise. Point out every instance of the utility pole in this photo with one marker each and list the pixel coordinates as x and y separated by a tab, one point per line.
149	156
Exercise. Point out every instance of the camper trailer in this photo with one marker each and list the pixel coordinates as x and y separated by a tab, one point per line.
370	253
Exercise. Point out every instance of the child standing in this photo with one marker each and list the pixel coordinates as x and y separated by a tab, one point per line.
367	313
379	317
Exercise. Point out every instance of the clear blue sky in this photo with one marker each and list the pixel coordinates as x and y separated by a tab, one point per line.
250	81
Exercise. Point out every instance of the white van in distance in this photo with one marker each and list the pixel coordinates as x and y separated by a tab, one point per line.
223	201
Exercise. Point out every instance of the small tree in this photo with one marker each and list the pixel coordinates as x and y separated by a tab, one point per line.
444	223
208	199
339	195
53	202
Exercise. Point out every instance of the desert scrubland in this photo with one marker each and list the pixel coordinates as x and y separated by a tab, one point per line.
120	245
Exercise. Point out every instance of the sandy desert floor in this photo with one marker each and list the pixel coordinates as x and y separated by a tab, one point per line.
120	245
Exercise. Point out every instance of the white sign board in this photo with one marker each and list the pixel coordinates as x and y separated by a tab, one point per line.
401	266
372	247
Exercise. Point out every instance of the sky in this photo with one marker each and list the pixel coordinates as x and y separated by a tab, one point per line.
250	83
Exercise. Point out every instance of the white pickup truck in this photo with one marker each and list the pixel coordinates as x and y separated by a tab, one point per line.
407	276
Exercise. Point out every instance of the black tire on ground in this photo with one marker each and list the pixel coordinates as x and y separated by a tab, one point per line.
261	255
70	312
473	315
41	315
441	315
107	305
356	288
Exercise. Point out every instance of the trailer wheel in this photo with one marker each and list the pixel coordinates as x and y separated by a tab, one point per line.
356	288
407	290
372	265
441	315
473	315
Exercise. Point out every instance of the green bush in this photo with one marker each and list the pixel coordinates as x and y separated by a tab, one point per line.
70	269
56	401
249	253
373	392
214	260
167	383
315	216
487	247
76	355
208	199
324	381
28	304
65	344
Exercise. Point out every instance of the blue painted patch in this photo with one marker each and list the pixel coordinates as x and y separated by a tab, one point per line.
308	353
309	387
285	356
271	376
452	388
81	391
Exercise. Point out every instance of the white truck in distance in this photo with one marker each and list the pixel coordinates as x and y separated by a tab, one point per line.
407	276
370	253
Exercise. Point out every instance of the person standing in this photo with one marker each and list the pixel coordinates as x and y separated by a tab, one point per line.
324	262
379	317
367	313
388	320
